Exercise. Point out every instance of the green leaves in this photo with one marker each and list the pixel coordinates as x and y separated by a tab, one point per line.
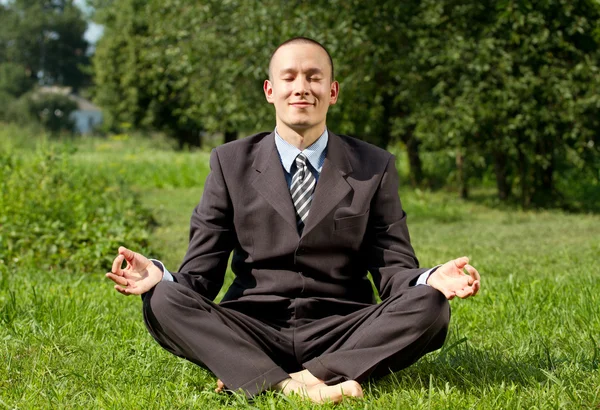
514	86
46	39
56	218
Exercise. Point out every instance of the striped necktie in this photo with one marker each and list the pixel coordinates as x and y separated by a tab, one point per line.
302	188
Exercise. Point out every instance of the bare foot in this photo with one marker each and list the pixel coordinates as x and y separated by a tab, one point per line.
306	377
220	386
321	393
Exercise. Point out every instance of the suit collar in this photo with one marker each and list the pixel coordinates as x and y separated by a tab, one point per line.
266	147
338	155
331	188
270	181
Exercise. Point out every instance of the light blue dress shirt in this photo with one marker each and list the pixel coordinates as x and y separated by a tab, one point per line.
315	154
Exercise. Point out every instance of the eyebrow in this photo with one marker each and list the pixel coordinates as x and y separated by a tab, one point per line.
310	71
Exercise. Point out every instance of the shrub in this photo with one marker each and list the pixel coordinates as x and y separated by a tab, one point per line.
51	111
60	216
14	79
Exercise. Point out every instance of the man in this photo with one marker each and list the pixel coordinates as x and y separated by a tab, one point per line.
306	213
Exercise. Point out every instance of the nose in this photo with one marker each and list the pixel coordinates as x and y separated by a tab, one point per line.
301	86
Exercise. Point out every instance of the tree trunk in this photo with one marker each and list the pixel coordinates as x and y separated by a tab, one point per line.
414	159
412	143
385	133
230	136
461	174
543	192
501	170
525	192
189	138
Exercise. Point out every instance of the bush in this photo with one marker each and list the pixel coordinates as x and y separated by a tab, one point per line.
14	79
7	102
51	111
60	216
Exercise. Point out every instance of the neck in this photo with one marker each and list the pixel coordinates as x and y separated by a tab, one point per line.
301	139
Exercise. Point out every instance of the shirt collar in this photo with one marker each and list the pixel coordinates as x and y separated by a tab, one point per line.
314	153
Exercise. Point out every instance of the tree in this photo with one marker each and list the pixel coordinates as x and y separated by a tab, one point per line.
507	87
518	91
46	38
15	80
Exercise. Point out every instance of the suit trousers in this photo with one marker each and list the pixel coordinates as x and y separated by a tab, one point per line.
251	353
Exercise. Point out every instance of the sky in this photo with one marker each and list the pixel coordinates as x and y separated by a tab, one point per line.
94	31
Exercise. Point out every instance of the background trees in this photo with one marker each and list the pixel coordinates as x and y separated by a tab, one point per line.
46	38
41	43
490	92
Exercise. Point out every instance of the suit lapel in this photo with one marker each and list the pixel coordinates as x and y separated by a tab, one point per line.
270	181
332	186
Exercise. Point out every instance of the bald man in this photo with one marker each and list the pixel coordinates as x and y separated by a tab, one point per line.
307	214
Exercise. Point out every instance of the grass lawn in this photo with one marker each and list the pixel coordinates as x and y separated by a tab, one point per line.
530	339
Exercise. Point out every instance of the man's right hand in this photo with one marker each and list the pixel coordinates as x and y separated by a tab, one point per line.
139	276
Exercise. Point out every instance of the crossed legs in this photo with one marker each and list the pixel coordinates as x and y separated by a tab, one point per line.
336	353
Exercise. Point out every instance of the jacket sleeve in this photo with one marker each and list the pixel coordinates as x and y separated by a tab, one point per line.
390	256
212	236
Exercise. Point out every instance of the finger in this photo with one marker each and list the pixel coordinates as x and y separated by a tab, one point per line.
128	254
449	294
121	290
135	288
464	293
461	262
473	272
476	287
119	280
116	266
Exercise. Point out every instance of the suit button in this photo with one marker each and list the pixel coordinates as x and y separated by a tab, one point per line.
301	250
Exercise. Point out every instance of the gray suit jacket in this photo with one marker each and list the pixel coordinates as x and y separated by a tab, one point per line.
356	224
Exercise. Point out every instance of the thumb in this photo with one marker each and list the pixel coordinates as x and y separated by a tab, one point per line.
461	262
128	254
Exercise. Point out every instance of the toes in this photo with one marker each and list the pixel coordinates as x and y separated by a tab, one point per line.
351	388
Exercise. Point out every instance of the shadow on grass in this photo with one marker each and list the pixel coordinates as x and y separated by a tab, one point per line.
466	368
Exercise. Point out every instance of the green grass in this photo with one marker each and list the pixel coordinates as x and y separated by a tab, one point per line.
531	339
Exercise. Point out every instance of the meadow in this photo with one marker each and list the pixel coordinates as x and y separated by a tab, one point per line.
530	339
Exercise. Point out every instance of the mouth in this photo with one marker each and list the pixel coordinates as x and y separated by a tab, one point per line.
301	104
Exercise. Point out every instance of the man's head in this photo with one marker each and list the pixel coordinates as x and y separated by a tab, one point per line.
301	86
301	40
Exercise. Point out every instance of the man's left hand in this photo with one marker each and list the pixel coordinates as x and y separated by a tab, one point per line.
451	280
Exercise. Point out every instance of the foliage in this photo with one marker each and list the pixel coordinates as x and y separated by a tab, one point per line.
143	163
515	89
41	43
46	39
504	88
56	215
14	79
52	111
49	111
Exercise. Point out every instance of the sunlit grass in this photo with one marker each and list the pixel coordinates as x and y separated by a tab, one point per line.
531	339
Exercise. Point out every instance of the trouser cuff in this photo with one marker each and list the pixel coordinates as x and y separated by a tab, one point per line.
262	383
318	369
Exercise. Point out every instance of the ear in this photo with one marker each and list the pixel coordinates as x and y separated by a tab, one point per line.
334	92
268	89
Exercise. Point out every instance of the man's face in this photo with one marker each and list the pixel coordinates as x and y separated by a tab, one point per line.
300	87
